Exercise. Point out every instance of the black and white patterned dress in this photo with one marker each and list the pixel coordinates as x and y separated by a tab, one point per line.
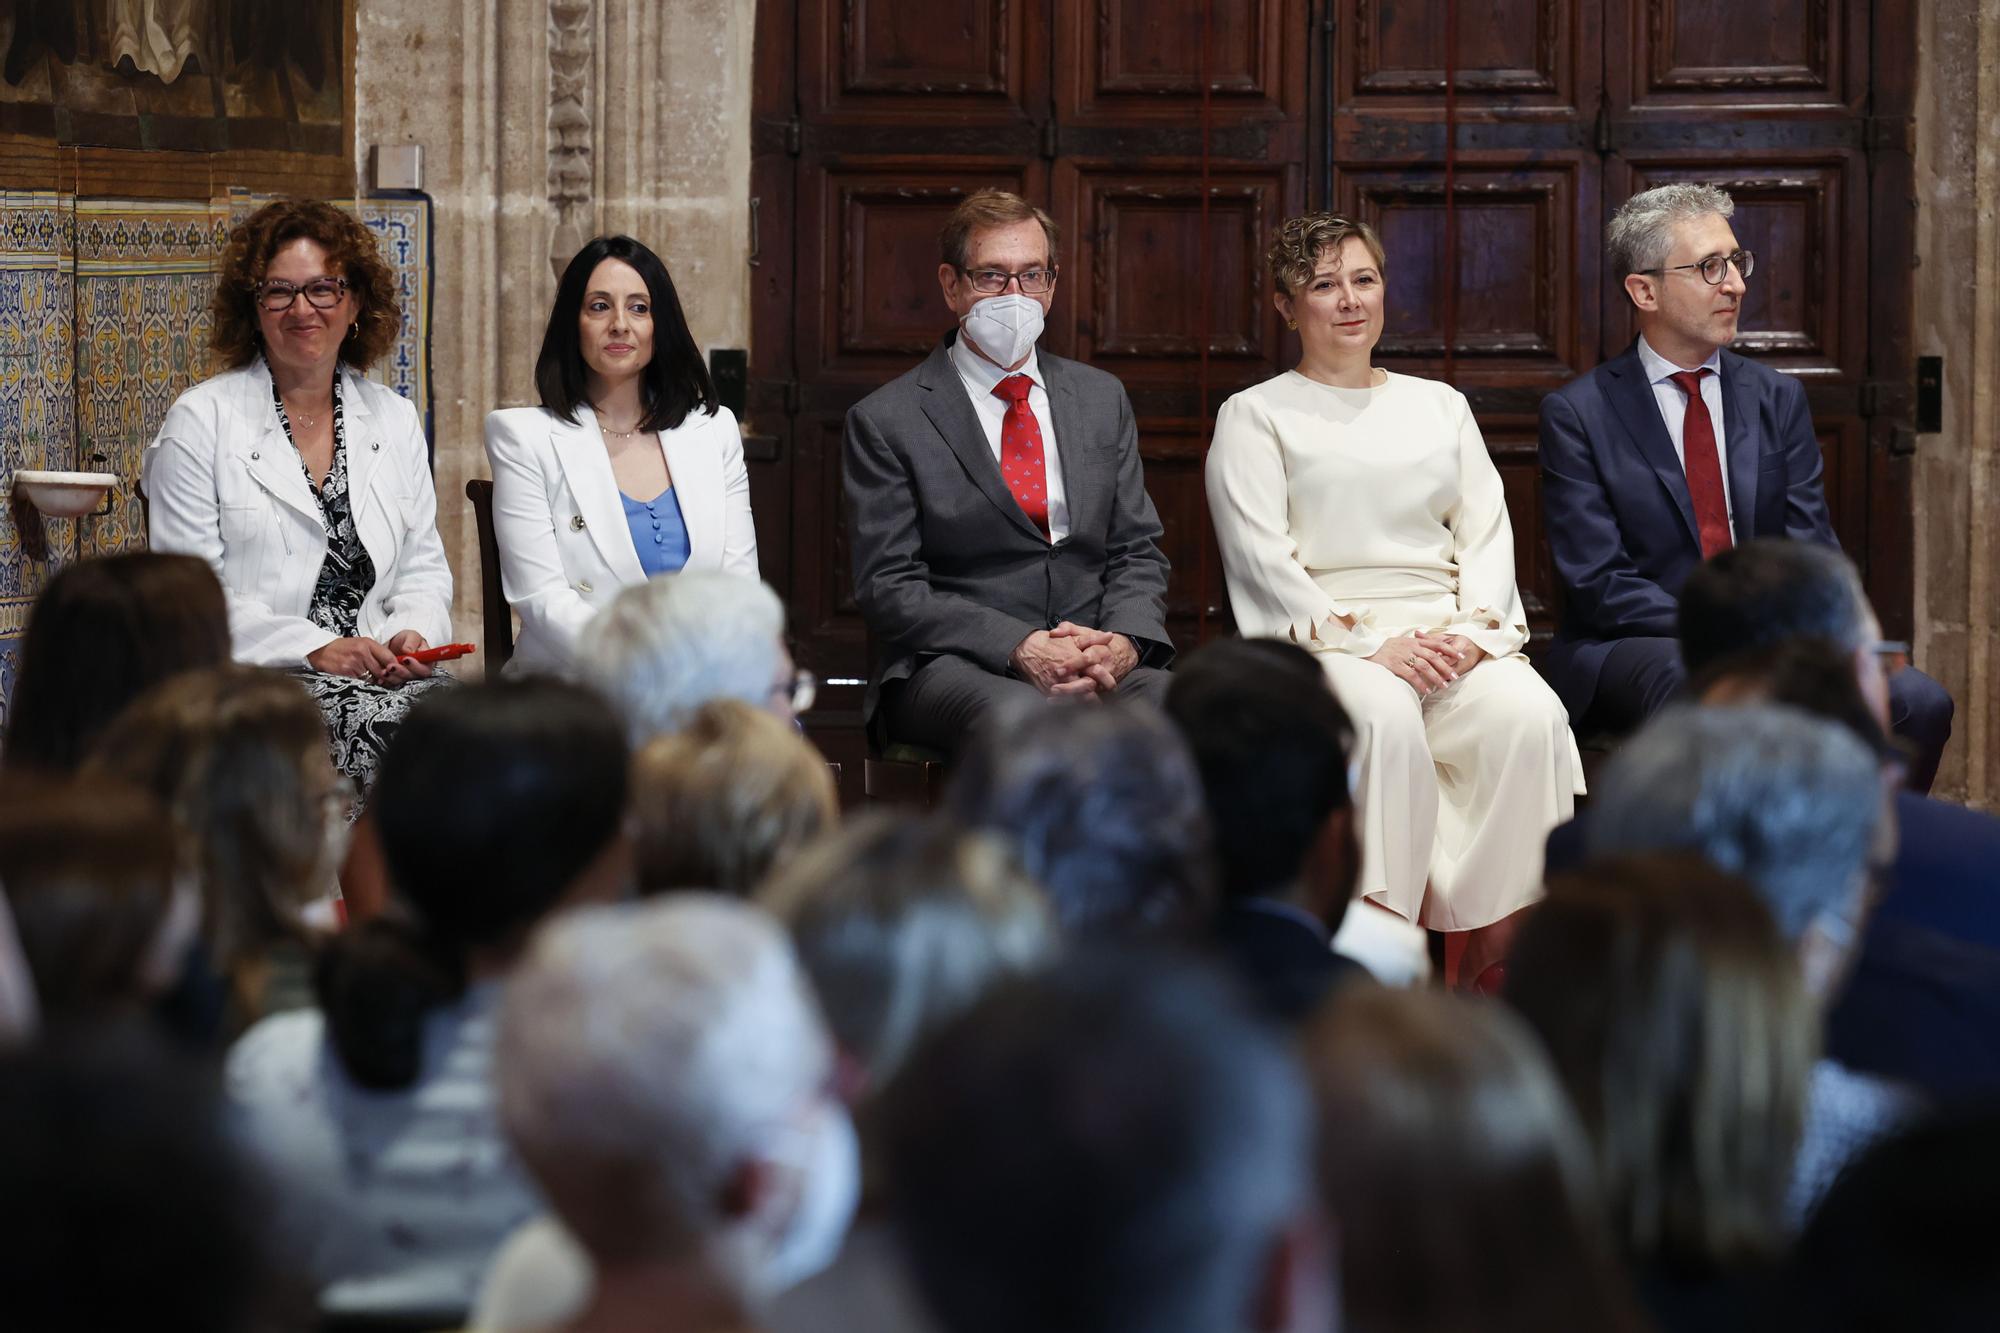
361	716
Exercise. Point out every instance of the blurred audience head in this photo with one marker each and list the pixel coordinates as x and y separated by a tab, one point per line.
718	803
1672	1008
664	1075
238	756
902	923
126	1207
495	804
1101	805
1763	592
101	633
1791	802
1905	1239
665	647
1456	1170
1271	742
1111	1144
104	915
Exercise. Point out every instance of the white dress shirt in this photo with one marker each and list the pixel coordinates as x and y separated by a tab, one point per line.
979	377
1673	409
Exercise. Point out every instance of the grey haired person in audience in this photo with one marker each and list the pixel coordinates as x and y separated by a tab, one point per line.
665	1074
665	647
1794	804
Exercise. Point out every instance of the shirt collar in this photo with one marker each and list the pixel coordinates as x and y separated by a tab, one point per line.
1658	368
981	375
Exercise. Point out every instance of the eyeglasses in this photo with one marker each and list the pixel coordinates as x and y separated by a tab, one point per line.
1716	267
320	294
992	281
1893	654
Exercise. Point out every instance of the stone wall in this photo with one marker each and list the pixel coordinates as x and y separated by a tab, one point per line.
1958	318
543	123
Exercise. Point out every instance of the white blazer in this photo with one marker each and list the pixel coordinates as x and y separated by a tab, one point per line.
222	482
565	548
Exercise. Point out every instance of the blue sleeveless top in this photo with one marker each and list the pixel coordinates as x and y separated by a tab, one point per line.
659	534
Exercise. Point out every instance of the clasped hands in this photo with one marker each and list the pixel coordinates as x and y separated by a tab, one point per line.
1428	662
1074	659
366	659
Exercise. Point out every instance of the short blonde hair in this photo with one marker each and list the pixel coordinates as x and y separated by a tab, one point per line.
1296	250
988	208
716	804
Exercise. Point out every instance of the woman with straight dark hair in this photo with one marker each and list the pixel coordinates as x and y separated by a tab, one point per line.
1678	1021
101	634
1456	1172
631	467
374	1113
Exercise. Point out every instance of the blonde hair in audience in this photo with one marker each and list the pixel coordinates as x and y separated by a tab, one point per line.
1456	1170
720	802
1303	241
981	210
238	756
1678	1020
903	923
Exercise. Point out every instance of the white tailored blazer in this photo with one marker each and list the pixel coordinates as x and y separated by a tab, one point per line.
222	482
565	548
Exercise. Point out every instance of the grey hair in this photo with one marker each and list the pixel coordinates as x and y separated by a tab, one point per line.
645	1051
665	647
903	923
1787	800
1640	234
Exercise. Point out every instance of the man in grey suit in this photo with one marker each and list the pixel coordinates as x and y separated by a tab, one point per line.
1004	546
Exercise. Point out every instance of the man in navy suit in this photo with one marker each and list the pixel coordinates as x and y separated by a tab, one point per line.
1670	453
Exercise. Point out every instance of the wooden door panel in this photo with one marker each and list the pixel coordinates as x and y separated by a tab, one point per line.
825	619
871	60
1792	54
1142	60
1138	257
1174	450
1805	218
1510	53
1527	245
1512	440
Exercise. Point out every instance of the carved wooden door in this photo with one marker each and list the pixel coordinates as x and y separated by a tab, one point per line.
875	116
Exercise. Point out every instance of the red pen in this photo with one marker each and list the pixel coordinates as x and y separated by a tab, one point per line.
442	653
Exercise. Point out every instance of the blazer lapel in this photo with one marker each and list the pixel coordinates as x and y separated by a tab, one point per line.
1639	412
950	411
273	461
579	450
1079	483
698	487
364	444
1743	441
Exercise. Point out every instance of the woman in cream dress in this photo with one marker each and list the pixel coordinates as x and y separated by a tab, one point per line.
1359	516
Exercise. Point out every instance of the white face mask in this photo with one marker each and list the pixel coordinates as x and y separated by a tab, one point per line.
1004	327
827	1157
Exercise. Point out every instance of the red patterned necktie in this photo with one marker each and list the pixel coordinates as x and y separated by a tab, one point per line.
1704	467
1021	457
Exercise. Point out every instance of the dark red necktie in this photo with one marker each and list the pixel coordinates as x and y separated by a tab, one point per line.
1704	467
1021	457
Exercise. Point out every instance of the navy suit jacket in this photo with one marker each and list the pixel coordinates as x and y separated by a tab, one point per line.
1615	501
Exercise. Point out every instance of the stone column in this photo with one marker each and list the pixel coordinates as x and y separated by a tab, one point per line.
1958	318
544	122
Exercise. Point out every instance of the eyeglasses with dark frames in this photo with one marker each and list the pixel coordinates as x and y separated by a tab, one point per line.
277	296
993	281
1716	267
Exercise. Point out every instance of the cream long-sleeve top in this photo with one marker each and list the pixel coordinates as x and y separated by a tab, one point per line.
1349	516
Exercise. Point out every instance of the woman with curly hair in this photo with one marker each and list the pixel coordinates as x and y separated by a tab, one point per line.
306	486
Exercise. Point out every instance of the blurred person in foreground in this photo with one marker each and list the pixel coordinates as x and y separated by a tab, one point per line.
375	1112
1457	1171
666	1077
1676	1017
1102	805
1112	1144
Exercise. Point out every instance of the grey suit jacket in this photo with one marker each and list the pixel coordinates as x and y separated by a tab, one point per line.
944	559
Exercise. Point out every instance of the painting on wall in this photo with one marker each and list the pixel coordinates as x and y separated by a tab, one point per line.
184	75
